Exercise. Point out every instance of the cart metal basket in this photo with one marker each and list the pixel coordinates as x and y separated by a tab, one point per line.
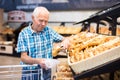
15	72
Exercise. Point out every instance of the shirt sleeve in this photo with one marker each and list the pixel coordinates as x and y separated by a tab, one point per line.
21	45
56	36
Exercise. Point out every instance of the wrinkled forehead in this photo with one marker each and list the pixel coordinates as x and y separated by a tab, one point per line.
42	15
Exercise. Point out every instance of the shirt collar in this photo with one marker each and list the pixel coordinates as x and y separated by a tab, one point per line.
33	32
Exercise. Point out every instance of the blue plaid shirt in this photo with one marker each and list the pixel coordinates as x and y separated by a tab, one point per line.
37	45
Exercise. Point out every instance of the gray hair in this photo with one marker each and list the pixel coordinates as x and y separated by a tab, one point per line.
39	10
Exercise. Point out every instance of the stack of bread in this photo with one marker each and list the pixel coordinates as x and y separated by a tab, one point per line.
105	30
67	30
85	45
86	48
63	72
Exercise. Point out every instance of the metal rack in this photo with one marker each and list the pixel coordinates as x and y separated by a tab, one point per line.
110	15
109	67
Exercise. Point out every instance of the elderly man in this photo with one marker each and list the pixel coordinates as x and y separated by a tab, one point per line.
35	42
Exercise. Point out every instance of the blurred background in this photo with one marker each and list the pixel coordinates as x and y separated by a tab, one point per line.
67	17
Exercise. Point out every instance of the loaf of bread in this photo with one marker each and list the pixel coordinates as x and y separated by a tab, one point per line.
86	45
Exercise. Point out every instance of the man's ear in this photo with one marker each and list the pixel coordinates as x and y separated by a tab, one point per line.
33	17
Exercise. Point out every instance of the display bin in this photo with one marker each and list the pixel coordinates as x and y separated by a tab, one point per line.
92	62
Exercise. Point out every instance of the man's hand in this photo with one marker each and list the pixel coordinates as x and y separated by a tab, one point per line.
41	62
65	43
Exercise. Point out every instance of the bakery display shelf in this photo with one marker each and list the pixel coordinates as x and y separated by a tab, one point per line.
109	67
110	15
8	48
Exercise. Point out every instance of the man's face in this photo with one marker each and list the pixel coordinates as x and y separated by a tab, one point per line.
39	22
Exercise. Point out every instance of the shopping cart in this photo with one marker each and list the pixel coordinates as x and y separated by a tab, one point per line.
16	72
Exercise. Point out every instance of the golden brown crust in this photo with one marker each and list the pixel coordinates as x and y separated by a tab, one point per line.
85	45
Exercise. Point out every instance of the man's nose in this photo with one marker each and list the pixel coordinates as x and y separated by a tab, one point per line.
43	23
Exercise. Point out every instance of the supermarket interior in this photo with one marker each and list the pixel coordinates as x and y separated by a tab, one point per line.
92	28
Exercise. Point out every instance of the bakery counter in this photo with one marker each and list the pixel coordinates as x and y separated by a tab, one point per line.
8	48
93	54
